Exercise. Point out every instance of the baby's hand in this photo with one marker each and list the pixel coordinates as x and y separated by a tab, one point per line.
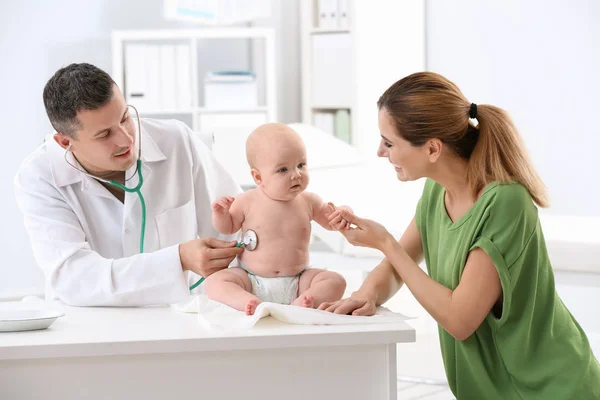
223	204
335	218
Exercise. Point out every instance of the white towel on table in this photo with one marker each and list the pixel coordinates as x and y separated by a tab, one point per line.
217	315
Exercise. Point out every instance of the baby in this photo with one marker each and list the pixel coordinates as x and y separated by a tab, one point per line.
280	212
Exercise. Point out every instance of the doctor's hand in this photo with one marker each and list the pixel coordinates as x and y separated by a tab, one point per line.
208	255
366	233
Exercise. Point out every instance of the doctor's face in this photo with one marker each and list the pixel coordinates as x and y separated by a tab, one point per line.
105	141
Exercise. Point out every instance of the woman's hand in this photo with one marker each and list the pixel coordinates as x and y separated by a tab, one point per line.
356	304
336	221
366	233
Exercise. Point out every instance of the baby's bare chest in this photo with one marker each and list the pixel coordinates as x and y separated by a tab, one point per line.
275	219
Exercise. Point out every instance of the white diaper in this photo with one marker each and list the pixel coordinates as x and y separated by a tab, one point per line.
281	290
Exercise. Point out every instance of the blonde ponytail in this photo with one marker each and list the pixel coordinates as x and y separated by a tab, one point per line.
499	156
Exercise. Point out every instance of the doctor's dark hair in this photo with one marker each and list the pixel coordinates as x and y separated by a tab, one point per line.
425	106
74	88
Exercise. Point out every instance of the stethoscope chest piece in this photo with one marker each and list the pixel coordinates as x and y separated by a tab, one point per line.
249	240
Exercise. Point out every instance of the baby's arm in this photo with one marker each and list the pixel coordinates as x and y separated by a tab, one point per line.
322	211
228	214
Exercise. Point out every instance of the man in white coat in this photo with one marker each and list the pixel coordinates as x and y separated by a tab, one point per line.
86	232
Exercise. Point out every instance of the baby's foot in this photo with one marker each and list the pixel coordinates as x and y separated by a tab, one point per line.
251	306
304	300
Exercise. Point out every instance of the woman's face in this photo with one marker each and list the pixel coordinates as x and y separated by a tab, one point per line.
410	162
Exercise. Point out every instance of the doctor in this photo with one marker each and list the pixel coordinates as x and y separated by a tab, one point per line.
86	233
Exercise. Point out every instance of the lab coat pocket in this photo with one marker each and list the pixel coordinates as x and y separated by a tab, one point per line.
177	225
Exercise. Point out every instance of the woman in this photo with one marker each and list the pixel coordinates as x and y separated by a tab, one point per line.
504	332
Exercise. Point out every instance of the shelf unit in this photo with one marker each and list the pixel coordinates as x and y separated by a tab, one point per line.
349	67
203	118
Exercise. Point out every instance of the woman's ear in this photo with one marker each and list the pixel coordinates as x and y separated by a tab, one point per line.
256	176
434	149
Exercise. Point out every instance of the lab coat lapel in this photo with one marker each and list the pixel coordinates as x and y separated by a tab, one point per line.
151	154
92	187
65	174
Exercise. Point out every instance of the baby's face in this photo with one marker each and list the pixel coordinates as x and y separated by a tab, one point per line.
283	170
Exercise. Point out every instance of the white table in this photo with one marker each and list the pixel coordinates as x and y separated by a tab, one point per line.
158	353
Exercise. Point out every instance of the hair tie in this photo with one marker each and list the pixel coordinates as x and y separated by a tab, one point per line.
473	111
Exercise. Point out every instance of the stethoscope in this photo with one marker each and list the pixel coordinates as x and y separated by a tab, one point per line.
249	239
249	242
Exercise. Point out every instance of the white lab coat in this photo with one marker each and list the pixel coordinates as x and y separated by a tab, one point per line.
87	242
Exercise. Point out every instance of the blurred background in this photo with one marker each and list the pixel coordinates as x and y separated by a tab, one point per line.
226	66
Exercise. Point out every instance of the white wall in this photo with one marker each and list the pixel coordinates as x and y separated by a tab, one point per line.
39	36
538	59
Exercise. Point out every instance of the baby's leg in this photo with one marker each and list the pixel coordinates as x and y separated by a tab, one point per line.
232	287
317	286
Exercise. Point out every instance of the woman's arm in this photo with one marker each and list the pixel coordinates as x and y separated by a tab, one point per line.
459	311
383	281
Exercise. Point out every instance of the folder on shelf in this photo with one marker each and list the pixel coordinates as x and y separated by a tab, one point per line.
325	122
153	77
168	84
158	77
183	76
342	125
327	12
318	120
343	14
135	75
